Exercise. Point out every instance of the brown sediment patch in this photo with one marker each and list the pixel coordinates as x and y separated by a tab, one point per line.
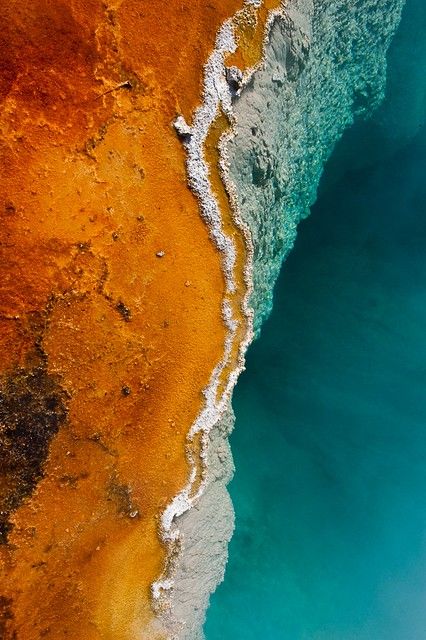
99	236
33	407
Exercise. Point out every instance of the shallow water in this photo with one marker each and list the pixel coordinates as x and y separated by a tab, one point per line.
330	438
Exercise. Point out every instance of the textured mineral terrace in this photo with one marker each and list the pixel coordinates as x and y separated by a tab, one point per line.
126	262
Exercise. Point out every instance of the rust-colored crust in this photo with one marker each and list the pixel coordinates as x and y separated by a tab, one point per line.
111	296
124	336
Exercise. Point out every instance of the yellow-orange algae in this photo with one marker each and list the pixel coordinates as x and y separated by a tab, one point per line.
250	25
249	29
100	238
212	154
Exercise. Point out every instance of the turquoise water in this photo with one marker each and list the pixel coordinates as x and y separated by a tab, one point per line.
330	438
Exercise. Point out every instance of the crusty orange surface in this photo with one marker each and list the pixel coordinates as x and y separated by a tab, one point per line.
105	345
110	302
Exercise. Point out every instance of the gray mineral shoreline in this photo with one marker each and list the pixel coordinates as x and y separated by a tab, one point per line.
325	65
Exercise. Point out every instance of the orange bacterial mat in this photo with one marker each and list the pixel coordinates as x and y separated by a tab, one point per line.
111	296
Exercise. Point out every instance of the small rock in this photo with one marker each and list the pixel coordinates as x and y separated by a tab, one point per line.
124	311
160	254
234	77
182	128
9	208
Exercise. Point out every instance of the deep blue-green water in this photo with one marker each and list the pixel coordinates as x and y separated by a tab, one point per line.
330	438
